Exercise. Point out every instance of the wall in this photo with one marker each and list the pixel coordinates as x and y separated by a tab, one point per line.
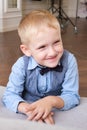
71	6
9	19
68	6
82	9
28	5
1	15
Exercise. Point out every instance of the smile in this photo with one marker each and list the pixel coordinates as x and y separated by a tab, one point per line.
52	58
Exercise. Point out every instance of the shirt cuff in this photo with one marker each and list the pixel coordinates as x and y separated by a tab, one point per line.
70	101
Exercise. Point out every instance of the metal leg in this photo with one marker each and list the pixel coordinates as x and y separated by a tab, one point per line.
52	8
63	16
76	30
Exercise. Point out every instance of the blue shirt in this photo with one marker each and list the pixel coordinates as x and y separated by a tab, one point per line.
33	86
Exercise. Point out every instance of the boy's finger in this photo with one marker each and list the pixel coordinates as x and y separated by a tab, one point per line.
31	115
49	120
38	116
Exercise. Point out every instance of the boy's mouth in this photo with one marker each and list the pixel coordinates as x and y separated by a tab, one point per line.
52	58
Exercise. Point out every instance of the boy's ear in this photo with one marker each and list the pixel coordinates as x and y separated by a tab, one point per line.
25	50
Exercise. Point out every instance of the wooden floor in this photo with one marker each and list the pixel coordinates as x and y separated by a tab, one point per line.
76	43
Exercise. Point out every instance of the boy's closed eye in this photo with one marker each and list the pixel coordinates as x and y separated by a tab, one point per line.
41	47
56	42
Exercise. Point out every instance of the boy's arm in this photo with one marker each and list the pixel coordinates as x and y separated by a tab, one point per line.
14	89
70	86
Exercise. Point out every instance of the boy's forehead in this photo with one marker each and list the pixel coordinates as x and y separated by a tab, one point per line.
47	29
46	34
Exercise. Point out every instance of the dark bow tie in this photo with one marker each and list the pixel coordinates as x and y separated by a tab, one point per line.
58	68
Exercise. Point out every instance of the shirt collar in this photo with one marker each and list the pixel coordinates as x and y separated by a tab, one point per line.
32	63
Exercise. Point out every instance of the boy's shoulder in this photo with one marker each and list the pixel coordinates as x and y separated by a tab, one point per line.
21	61
67	54
67	58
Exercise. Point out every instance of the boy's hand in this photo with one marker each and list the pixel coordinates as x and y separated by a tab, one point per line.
48	120
40	109
24	108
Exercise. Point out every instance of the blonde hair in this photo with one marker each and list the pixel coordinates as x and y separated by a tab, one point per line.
34	22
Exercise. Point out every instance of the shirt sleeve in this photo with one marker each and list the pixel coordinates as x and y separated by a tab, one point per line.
15	86
70	91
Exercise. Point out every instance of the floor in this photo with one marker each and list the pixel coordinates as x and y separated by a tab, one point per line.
76	43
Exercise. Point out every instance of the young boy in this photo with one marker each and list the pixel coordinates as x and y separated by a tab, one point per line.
46	77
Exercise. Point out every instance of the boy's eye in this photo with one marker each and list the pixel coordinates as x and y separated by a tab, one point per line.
41	47
56	43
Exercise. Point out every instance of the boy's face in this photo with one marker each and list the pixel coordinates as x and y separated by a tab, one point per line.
46	47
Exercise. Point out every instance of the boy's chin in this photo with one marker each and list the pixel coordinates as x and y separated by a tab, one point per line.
52	66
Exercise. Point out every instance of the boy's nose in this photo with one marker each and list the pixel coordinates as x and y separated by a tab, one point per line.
51	51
